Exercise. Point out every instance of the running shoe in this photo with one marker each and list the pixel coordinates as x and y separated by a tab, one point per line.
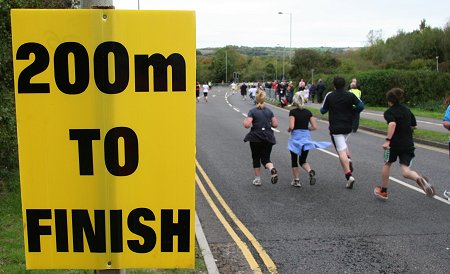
350	182
257	182
426	186
380	194
296	183
447	194
312	177
274	174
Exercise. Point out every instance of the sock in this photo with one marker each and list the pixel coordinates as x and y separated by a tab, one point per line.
384	189
348	174
258	177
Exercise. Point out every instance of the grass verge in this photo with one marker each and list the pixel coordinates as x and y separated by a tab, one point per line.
418	133
12	254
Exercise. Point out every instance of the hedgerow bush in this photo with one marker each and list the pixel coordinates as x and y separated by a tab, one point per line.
424	89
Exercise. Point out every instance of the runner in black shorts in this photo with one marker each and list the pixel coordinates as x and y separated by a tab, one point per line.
399	144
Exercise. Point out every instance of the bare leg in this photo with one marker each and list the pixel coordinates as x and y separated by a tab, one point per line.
306	167
385	174
296	172
344	161
257	172
408	173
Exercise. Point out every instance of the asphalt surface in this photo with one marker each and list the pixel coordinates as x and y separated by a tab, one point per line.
324	228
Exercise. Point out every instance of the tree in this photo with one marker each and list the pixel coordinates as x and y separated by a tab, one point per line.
8	140
224	62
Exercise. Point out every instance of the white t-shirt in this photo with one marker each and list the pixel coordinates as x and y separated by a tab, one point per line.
252	91
205	88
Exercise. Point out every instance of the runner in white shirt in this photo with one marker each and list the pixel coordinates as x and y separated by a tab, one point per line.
205	92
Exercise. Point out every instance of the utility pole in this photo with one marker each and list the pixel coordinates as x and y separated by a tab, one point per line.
101	4
226	67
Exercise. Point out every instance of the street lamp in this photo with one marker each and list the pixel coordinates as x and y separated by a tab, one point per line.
437	63
290	31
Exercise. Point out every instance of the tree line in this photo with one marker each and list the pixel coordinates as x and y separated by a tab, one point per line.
424	49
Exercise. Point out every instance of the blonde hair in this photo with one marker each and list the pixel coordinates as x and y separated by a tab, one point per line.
298	101
260	98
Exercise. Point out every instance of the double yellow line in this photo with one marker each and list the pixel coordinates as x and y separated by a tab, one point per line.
240	243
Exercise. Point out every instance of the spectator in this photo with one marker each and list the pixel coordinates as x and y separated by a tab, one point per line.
320	91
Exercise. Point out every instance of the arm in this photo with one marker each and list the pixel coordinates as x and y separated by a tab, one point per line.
313	122
248	122
413	121
446	124
390	133
359	106
291	123
274	122
324	108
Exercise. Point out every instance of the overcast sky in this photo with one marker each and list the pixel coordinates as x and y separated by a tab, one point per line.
328	23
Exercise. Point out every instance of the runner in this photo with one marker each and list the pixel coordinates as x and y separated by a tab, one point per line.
205	92
300	142
341	105
261	137
399	144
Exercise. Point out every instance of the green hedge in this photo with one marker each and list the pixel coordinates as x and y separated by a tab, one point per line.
424	89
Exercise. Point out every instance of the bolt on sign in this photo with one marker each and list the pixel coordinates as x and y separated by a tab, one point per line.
106	130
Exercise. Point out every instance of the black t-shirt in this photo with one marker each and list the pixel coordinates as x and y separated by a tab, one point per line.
404	120
302	117
340	104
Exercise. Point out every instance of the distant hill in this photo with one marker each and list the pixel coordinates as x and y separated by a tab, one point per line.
270	51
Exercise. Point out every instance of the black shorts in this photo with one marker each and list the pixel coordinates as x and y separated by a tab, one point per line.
405	155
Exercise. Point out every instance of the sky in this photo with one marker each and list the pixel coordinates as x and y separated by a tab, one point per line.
318	23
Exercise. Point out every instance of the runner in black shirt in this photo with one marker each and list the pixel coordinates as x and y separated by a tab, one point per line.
341	106
399	144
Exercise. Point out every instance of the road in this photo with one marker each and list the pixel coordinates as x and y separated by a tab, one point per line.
324	228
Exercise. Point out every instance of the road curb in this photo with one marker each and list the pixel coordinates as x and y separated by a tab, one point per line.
210	262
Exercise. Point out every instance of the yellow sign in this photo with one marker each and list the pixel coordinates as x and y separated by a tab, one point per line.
105	110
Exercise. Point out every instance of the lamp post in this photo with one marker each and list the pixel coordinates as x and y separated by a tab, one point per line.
312	76
437	63
290	31
276	68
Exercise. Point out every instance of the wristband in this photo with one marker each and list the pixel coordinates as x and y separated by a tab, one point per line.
388	139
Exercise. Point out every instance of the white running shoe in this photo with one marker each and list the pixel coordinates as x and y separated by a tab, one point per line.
257	182
350	182
296	183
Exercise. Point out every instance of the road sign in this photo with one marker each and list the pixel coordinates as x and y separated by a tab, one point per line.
106	132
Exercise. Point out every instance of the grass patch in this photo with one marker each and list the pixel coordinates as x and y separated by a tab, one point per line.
12	254
416	111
